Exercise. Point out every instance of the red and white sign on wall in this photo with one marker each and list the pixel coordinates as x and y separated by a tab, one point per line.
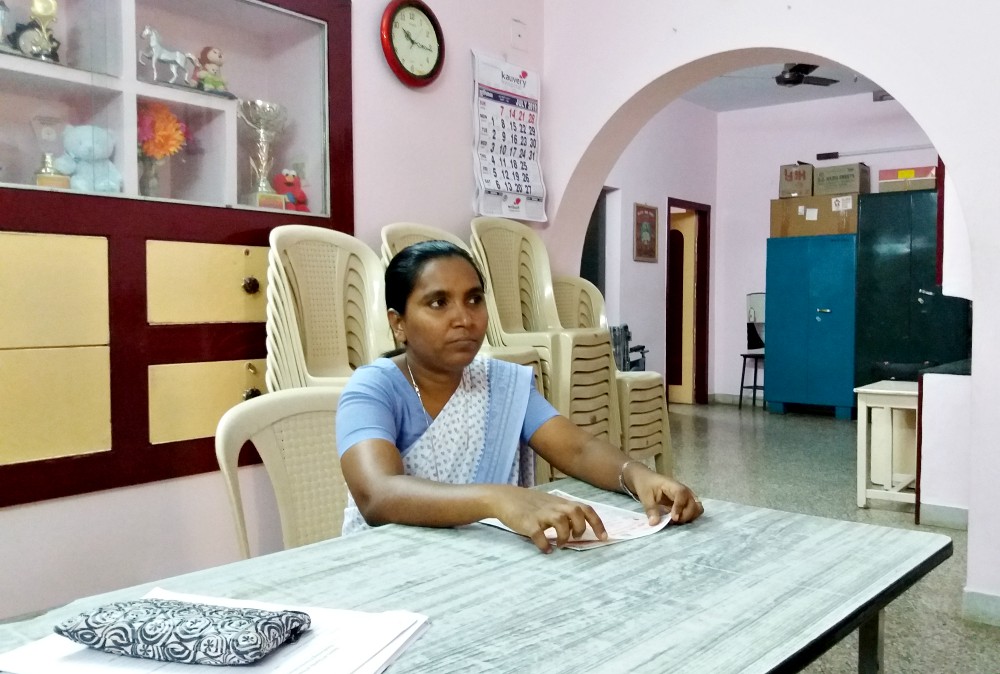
507	163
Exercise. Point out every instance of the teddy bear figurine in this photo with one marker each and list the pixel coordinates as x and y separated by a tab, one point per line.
87	159
287	182
208	74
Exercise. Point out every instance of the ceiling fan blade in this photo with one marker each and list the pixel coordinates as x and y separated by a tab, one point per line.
820	81
800	68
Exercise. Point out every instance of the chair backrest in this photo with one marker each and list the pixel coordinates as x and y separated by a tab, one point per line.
579	303
326	314
520	276
294	431
398	235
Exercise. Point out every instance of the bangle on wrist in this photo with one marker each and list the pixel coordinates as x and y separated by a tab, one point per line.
621	480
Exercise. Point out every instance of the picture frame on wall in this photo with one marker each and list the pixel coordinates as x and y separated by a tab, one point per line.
644	236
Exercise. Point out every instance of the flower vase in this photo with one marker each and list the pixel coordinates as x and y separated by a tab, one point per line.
149	176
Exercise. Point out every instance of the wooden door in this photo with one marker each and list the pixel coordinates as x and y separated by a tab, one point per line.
682	247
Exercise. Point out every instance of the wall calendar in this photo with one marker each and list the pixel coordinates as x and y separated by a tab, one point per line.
507	163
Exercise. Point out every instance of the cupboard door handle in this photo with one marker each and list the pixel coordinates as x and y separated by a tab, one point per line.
251	393
251	286
822	311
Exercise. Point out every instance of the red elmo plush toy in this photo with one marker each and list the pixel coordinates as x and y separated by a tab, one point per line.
287	182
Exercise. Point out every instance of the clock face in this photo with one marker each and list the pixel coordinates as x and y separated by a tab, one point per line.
412	42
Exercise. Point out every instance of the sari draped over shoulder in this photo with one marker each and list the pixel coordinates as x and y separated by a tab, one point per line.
476	438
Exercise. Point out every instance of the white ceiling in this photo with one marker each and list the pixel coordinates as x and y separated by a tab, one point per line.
755	87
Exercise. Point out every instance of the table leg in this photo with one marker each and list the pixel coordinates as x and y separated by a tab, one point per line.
887	459
870	645
862	452
754	399
743	375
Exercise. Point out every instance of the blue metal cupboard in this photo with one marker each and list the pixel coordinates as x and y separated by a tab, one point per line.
810	305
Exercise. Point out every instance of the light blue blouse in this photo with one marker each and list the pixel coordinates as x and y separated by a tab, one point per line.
379	402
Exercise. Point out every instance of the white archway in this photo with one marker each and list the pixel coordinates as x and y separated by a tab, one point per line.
648	53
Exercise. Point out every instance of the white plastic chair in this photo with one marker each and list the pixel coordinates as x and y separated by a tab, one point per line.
579	303
577	364
294	433
326	307
399	235
642	396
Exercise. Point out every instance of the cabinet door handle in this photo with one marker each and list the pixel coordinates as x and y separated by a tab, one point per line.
251	286
822	311
251	393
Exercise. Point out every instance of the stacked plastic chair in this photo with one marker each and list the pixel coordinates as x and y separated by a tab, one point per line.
326	307
642	396
578	364
399	235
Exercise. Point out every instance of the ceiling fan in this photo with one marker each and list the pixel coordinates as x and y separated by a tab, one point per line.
795	74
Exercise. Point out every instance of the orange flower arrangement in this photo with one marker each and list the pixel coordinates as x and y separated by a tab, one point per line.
161	134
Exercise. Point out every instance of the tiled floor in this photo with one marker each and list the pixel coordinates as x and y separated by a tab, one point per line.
805	463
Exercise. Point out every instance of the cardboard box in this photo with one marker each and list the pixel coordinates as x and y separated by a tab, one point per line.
796	180
809	216
843	179
903	179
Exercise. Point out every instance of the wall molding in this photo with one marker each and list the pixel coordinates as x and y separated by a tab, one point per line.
949	517
981	607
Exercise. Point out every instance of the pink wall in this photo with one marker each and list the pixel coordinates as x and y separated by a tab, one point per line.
945	441
413	147
674	155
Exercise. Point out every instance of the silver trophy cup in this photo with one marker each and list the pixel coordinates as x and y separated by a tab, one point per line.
267	120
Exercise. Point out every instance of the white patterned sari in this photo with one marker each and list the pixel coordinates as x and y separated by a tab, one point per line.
476	438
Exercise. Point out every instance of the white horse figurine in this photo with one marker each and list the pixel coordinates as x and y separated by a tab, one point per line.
157	53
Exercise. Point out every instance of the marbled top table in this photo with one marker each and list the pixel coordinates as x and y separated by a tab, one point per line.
743	589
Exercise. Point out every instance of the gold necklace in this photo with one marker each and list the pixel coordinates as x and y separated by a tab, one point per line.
427	418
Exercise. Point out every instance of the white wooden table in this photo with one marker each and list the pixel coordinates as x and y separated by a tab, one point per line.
880	448
741	590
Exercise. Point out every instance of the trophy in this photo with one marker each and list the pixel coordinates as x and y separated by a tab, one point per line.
48	131
35	38
267	121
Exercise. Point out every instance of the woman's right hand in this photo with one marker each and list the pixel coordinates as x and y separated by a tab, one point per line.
530	513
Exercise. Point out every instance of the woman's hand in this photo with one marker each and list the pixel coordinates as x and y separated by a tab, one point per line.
530	513
655	490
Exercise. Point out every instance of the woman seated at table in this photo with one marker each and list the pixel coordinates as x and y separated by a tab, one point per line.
432	435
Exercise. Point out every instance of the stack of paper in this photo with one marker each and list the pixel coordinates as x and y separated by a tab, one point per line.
338	641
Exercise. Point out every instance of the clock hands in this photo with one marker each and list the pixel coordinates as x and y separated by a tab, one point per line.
414	42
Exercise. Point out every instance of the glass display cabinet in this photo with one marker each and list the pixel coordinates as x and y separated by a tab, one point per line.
168	78
147	147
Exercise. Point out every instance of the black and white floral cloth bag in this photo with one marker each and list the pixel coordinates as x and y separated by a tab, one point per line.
170	630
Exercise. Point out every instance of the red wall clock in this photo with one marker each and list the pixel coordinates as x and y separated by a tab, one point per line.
412	42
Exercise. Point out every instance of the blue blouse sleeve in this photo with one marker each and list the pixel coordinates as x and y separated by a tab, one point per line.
539	411
366	409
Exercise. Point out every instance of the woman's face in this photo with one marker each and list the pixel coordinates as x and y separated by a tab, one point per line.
445	319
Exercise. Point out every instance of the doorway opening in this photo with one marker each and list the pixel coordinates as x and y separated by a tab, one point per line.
592	259
688	246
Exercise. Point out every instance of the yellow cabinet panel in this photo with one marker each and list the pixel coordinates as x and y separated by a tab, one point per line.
186	400
54	403
54	289
203	283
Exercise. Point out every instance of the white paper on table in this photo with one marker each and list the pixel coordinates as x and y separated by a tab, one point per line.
621	524
337	641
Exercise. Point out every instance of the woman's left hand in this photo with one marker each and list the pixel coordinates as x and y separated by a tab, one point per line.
655	490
